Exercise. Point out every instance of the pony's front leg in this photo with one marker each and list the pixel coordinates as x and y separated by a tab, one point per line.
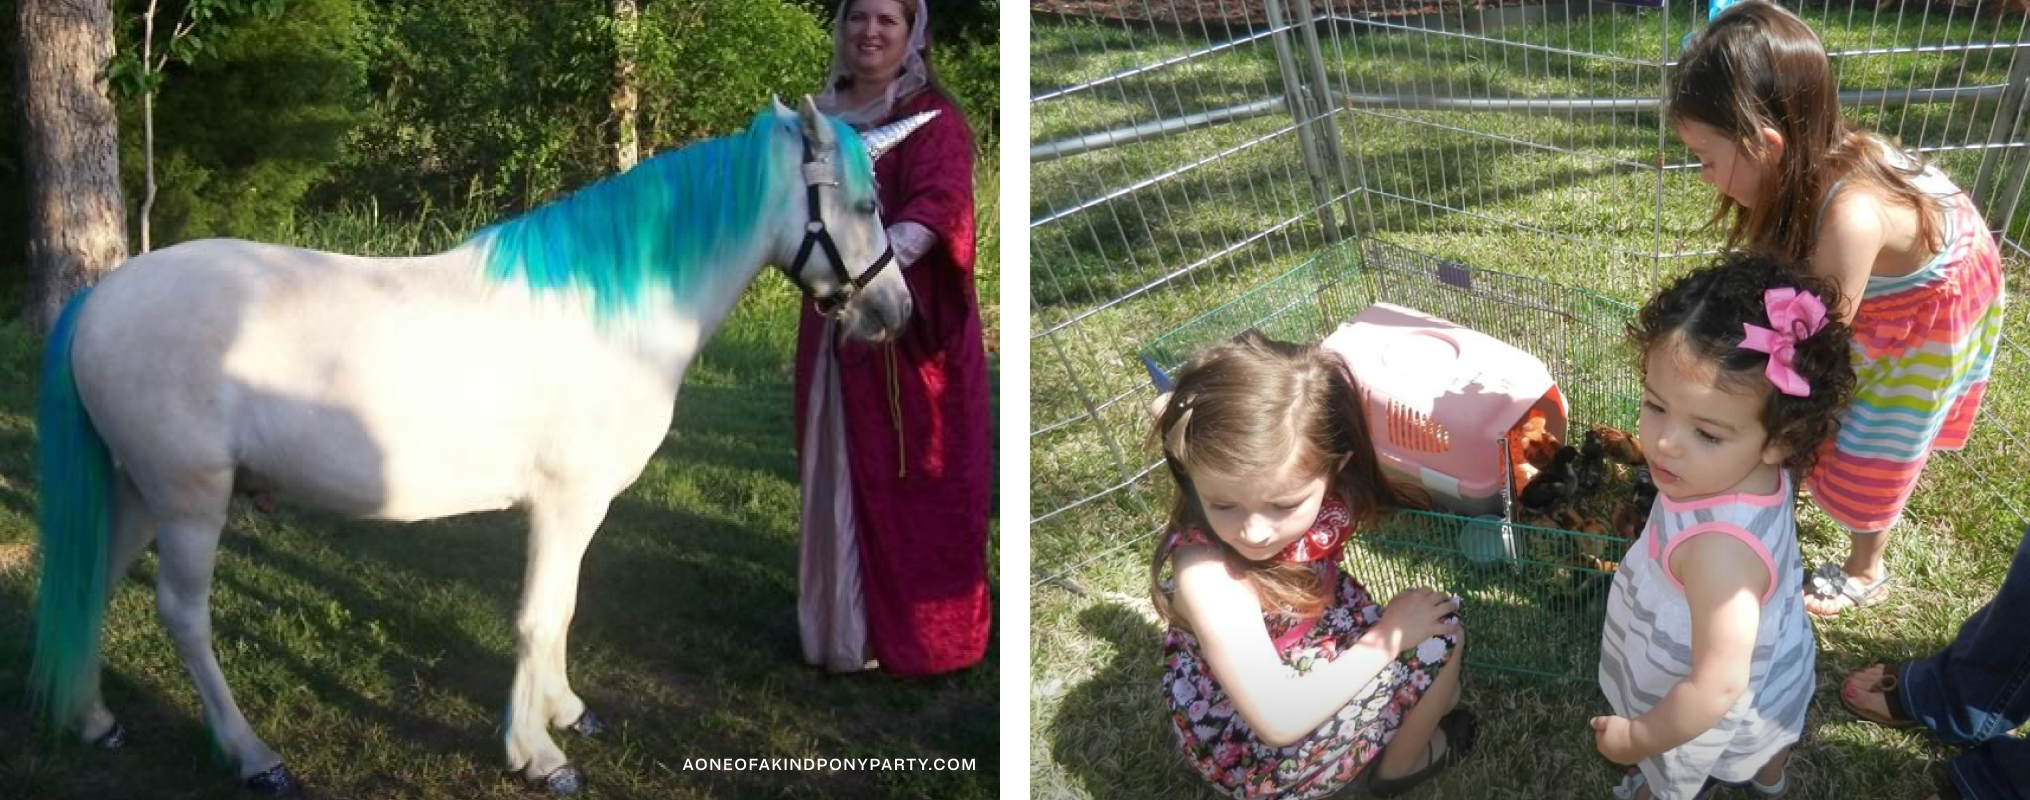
187	550
560	529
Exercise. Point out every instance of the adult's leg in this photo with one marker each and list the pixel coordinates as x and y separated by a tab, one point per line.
1977	690
1978	687
1997	769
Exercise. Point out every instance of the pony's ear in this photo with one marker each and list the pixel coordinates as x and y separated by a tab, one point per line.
818	129
783	114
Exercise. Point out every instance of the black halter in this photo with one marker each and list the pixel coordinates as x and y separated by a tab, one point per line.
822	172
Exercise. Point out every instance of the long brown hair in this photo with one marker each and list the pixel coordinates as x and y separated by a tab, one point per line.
1758	66
1248	407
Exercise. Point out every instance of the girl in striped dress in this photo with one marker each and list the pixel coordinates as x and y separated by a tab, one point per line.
1755	101
1707	654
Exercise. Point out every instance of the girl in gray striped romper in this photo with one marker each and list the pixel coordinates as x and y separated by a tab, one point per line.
1707	654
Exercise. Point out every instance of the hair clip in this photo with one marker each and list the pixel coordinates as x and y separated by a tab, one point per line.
1173	439
1793	316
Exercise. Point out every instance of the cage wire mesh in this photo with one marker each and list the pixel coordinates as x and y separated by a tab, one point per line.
1538	588
1200	167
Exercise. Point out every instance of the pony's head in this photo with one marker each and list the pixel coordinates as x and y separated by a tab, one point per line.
837	252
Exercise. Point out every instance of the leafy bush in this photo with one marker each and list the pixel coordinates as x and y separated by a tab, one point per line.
971	73
242	134
507	103
707	65
473	98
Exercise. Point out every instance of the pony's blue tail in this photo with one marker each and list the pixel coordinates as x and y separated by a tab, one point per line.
76	482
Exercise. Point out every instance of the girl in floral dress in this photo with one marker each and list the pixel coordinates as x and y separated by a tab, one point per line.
1284	679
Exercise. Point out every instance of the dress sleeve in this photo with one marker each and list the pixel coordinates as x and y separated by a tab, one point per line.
936	178
910	241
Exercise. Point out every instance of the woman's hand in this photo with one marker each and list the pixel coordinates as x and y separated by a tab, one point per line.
1615	736
1415	615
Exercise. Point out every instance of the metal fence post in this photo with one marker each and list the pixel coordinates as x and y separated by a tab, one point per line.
1301	111
1322	99
2007	127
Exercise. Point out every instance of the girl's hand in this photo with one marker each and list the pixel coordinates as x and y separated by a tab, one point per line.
1615	736
1415	615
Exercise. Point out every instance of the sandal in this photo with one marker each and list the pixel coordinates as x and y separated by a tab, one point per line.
1459	726
1831	582
1771	792
1884	685
1631	785
1633	782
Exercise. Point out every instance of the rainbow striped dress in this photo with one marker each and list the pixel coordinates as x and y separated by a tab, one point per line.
1924	344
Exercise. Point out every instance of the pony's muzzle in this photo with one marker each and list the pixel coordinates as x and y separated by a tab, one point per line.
887	315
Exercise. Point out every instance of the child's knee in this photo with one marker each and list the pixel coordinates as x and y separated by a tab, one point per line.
1441	650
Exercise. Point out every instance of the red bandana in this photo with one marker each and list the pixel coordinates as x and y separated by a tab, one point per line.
1327	534
1324	541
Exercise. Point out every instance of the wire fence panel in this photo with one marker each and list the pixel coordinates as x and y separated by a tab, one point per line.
1172	185
1185	152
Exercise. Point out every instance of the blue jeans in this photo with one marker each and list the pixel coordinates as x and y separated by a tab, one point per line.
1977	691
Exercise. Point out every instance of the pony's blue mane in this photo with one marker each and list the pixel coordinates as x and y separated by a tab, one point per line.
670	222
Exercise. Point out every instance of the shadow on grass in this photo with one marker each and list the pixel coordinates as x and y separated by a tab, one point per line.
35	764
1112	730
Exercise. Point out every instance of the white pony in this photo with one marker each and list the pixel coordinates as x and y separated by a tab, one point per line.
536	365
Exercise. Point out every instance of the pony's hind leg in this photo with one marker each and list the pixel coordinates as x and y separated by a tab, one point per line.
186	552
542	696
132	529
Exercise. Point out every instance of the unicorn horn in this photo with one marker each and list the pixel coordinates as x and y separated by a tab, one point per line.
885	138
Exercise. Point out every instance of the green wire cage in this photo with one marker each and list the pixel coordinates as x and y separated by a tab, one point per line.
1536	608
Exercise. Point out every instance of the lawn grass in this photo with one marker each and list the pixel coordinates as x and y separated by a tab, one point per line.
376	658
1564	198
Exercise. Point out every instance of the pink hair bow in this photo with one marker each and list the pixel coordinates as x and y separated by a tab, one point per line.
1794	317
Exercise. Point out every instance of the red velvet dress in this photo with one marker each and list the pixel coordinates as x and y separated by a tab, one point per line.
920	512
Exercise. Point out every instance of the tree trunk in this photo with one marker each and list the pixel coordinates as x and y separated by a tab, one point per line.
148	155
625	149
148	124
70	139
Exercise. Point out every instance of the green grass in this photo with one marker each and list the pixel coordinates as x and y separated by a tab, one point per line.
1098	727
376	658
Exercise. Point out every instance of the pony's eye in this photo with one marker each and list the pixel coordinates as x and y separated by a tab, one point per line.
865	207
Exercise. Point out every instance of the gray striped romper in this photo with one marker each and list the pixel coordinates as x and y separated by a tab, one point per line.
1646	648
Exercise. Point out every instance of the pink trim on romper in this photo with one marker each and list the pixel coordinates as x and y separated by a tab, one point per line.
1744	498
1727	529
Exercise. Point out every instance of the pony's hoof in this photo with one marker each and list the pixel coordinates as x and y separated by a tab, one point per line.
567	781
588	725
276	782
113	739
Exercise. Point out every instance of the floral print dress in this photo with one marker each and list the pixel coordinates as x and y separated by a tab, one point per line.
1222	746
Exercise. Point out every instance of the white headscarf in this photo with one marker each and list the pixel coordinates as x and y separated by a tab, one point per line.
915	75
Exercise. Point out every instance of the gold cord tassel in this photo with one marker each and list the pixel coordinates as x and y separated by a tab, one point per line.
895	411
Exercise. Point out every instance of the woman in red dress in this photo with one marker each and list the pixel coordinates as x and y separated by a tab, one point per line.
894	439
